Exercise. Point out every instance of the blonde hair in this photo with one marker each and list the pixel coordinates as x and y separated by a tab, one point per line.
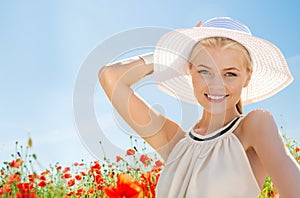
226	43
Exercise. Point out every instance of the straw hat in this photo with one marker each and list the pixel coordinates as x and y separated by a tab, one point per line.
270	70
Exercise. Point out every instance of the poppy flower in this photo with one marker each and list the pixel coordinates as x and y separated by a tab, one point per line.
16	163
66	176
91	191
96	166
71	182
58	168
126	187
5	189
42	177
78	177
14	178
99	179
42	184
130	151
83	173
46	172
31	178
25	186
118	158
67	169
158	163
145	160
80	191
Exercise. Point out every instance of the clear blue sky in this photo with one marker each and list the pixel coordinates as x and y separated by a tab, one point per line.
44	43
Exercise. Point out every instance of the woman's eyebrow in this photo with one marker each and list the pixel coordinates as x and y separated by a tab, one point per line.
225	69
201	65
231	68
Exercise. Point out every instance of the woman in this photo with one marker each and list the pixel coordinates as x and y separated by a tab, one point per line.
219	65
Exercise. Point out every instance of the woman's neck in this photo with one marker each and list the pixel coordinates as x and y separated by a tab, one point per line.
212	122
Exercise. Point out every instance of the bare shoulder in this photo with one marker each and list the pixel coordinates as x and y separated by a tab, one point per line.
258	119
262	134
257	115
259	124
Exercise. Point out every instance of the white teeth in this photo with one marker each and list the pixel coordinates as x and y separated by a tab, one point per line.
215	97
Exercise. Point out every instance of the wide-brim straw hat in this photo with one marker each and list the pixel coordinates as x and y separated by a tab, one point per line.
270	70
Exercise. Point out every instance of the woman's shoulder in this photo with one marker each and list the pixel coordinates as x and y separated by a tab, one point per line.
257	117
258	123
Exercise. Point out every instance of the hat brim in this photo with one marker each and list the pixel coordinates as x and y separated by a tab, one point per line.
270	70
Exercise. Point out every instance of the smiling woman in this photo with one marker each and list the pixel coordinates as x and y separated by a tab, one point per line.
216	65
223	65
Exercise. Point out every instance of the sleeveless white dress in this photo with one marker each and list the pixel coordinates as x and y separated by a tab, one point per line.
211	166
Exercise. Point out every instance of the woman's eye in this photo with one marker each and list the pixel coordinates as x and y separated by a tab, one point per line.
230	74
203	72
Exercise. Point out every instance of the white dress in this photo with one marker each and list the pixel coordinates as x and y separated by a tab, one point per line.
211	166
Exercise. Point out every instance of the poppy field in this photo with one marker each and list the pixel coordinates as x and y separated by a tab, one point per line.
134	175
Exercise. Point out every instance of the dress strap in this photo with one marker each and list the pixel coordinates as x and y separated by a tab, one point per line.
227	128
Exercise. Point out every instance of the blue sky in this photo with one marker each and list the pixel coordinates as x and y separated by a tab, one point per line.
44	43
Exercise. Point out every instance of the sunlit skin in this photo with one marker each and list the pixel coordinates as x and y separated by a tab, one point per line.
218	76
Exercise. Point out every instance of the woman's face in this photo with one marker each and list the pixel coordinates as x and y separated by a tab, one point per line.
218	76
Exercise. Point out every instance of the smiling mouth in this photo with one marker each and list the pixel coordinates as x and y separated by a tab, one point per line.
215	98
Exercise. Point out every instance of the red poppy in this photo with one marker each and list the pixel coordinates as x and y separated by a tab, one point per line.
5	189
78	177
46	172
99	179
96	166
99	187
31	178
297	149
66	169
118	158
14	178
145	160
66	176
80	191
149	182
71	182
158	163
98	172
42	184
83	173
25	186
16	163
42	177
271	193
70	193
130	151
126	187
91	191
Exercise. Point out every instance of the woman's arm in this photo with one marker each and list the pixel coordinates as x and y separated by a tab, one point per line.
269	145
116	80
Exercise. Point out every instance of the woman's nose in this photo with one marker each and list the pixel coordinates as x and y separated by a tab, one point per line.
215	81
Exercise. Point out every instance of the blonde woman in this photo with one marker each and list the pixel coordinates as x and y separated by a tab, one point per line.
219	66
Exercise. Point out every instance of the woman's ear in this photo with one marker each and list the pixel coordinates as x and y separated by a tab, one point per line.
248	78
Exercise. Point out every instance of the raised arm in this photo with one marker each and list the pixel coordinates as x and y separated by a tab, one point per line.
116	80
275	157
